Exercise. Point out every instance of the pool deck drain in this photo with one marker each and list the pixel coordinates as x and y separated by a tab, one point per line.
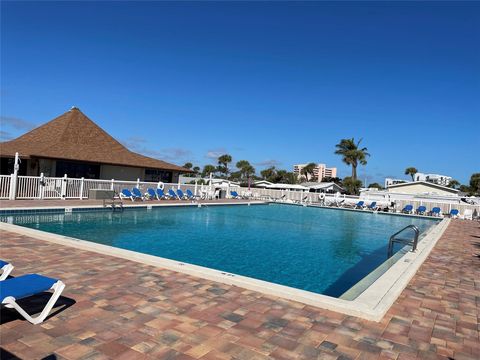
119	309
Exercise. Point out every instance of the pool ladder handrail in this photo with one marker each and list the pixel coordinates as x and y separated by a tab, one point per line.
394	239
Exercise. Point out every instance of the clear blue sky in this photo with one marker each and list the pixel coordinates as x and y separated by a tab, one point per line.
273	83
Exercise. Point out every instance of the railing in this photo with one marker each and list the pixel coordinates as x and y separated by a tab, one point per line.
5	182
394	240
41	187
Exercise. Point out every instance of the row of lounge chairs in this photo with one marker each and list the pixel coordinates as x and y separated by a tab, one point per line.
159	194
422	210
361	205
408	209
156	194
20	287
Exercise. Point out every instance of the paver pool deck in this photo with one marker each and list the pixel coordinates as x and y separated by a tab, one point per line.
118	309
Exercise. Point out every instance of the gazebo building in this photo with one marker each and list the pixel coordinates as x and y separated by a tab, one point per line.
73	144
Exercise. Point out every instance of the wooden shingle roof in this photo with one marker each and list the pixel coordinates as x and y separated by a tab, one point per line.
73	136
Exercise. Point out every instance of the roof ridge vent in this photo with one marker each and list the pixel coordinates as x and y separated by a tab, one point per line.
74	108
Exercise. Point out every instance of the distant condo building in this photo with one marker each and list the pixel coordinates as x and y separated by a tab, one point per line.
390	181
319	172
434	178
437	179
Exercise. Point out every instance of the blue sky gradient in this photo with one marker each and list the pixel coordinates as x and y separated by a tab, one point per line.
273	83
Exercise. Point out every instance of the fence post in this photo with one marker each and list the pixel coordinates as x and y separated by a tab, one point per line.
13	187
113	185
41	186
14	179
63	193
138	183
81	187
196	185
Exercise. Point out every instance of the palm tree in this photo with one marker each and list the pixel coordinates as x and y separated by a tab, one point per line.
411	171
453	184
352	185
269	174
352	154
208	169
223	162
246	170
308	171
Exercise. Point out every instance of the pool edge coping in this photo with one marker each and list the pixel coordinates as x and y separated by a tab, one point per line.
372	304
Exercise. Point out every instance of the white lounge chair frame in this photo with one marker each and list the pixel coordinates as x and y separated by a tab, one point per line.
7	269
10	302
123	196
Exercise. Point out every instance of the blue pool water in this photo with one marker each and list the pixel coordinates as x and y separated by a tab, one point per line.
320	250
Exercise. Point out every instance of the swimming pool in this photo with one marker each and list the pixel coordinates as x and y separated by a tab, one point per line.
324	251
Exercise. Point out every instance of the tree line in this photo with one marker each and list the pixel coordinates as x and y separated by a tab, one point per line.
352	153
350	150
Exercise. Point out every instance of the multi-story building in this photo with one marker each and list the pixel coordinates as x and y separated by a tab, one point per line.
390	181
434	178
319	172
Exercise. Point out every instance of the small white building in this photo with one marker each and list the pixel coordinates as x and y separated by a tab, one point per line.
268	185
422	188
262	183
327	187
222	183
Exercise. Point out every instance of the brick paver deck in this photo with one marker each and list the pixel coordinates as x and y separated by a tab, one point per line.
117	309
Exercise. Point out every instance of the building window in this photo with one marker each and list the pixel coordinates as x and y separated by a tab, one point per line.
77	170
6	166
158	175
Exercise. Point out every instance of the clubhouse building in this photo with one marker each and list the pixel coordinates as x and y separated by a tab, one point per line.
73	144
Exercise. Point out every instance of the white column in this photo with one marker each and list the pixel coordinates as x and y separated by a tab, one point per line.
195	190
41	186
63	193
82	180
138	183
211	184
113	185
12	188
178	184
14	178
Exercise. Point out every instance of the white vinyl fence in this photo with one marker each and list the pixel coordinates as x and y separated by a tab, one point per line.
41	187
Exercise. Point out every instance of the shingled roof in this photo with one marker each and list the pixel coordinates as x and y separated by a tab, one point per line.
73	136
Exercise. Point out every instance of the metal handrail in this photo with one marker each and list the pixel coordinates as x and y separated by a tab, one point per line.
394	240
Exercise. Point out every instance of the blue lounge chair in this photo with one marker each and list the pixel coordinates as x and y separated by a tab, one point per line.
161	194
436	211
190	195
181	195
373	206
234	195
25	286
151	194
359	205
6	269
137	194
172	194
126	194
454	213
421	210
408	209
